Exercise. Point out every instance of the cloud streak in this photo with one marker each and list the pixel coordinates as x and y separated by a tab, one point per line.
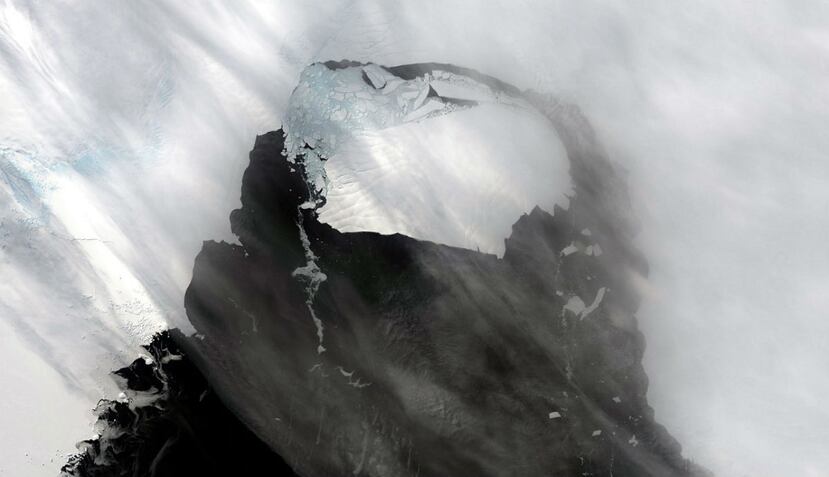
125	130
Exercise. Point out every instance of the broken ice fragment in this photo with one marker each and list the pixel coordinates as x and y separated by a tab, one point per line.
596	302
575	305
570	249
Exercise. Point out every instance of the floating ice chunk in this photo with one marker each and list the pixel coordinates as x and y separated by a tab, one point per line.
568	250
575	305
596	302
633	441
597	433
357	383
554	415
617	399
586	232
171	357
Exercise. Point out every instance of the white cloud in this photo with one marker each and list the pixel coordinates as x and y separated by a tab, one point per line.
717	109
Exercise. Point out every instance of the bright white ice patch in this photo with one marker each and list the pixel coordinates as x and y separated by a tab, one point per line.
393	160
462	179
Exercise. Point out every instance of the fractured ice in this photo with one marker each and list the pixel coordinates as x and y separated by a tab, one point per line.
458	158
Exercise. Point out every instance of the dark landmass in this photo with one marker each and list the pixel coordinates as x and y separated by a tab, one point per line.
439	360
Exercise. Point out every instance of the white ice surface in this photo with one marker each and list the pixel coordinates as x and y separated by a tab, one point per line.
461	179
391	160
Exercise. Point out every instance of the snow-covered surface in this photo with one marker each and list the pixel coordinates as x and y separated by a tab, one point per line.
569	250
718	112
393	160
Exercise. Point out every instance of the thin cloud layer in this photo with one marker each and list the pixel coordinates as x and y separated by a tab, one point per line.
126	127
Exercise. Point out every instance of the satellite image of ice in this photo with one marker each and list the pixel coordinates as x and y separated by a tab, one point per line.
435	238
